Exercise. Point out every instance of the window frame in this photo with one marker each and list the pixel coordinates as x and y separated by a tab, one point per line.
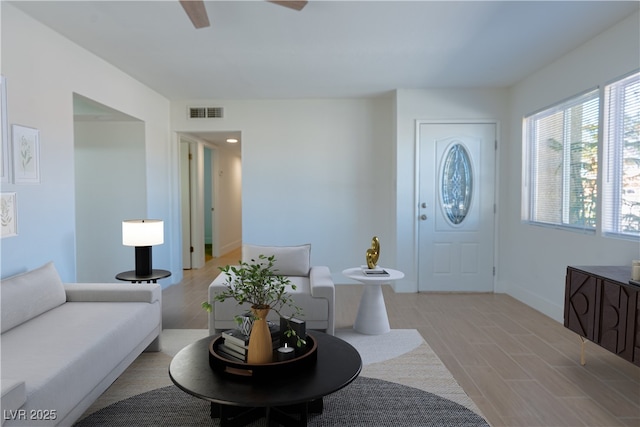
612	161
530	151
608	194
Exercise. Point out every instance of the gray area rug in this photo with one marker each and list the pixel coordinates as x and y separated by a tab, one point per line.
365	402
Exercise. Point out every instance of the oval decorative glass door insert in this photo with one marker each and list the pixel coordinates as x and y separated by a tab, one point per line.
456	184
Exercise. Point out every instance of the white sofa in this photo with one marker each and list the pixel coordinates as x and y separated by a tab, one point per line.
63	345
315	293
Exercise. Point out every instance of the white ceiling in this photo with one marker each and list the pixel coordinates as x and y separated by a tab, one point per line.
256	49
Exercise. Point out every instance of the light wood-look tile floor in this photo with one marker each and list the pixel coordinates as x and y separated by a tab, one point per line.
520	367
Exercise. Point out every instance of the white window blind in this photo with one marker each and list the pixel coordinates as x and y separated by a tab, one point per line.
562	161
621	154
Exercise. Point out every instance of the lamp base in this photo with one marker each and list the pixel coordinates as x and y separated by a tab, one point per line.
143	260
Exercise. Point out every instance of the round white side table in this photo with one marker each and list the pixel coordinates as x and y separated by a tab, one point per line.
372	316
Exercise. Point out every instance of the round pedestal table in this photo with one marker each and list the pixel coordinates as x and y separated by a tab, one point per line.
372	316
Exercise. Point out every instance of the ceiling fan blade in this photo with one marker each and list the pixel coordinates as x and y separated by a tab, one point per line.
292	4
196	11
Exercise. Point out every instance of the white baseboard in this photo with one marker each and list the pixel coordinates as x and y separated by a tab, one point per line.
544	306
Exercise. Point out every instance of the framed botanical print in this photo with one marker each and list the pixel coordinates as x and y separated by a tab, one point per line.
26	155
8	215
4	133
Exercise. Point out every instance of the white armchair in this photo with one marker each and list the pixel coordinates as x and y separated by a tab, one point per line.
315	293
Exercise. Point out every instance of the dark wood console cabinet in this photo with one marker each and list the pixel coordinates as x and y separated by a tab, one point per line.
602	306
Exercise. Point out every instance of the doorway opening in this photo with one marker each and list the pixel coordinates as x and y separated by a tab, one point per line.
110	186
211	195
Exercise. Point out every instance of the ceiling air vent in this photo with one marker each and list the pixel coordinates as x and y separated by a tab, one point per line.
206	112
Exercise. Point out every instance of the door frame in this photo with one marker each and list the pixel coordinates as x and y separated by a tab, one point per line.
212	216
196	200
186	181
416	187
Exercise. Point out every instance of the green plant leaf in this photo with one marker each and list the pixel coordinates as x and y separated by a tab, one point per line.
257	284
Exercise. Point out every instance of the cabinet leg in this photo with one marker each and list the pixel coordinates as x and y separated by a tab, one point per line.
582	358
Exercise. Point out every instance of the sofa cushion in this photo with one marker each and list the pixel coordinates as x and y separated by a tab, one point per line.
289	260
28	295
64	353
113	292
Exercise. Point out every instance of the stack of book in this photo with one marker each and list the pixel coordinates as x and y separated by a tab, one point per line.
375	272
235	344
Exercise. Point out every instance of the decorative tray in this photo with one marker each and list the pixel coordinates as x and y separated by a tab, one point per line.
304	359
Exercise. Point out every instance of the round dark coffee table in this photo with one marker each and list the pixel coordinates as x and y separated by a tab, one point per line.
285	400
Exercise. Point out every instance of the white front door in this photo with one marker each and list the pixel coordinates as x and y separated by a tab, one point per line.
456	206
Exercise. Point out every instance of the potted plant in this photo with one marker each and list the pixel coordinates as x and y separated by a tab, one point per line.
257	283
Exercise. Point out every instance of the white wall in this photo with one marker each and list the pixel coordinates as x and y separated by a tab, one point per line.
533	260
43	70
229	202
437	104
313	171
337	172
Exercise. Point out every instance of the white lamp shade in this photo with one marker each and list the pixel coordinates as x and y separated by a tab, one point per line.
142	232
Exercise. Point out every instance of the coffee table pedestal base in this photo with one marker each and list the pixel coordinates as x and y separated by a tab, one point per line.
287	416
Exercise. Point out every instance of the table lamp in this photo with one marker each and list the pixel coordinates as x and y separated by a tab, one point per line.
143	233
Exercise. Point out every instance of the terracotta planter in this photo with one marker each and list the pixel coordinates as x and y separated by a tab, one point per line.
260	349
